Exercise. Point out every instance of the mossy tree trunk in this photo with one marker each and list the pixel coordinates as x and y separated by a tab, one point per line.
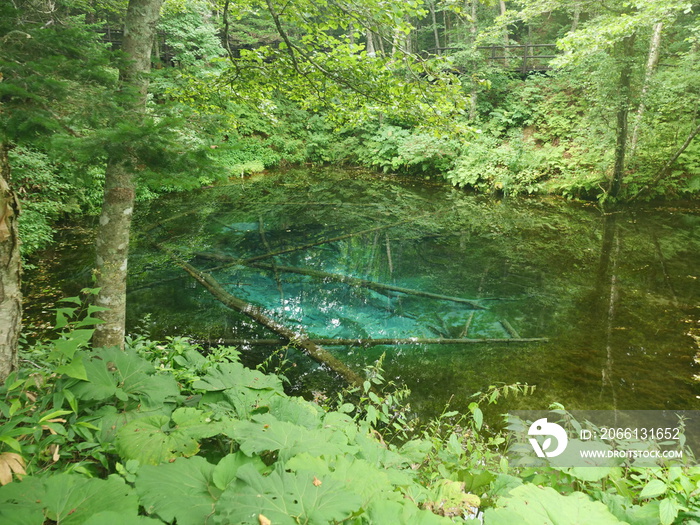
112	244
10	271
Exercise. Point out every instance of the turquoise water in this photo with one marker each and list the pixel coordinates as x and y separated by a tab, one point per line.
615	295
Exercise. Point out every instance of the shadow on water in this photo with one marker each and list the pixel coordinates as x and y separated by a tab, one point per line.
614	294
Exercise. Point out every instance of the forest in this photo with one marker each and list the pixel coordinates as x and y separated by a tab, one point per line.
471	135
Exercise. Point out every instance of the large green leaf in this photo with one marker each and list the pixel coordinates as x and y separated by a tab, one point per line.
532	505
124	375
152	440
66	499
367	481
245	401
296	410
404	513
18	501
287	498
110	420
654	488
234	375
182	490
112	516
226	470
265	433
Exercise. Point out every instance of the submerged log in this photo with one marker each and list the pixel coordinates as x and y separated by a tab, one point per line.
386	341
234	261
299	339
354	281
508	328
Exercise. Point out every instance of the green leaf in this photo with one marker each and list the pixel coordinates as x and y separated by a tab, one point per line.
64	348
92	309
152	440
74	300
287	498
110	421
244	402
18	502
476	481
654	488
531	505
54	414
112	516
590	473
346	408
61	313
182	490
296	410
226	470
668	511
477	415
265	433
403	513
66	498
113	373
234	375
70	397
74	369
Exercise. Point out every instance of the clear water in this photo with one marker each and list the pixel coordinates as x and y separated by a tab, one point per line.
616	295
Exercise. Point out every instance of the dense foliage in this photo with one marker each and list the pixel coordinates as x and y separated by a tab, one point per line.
256	86
400	87
164	433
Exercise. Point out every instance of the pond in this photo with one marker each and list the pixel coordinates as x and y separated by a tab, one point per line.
594	309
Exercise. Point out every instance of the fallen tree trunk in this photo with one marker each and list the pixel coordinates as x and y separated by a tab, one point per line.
264	256
508	328
299	339
385	341
355	281
233	261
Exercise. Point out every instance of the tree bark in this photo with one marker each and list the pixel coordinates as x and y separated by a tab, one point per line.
112	245
622	129
436	36
652	61
371	51
10	271
576	17
506	40
473	92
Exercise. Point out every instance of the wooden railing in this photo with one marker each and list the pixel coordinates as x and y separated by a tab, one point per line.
518	57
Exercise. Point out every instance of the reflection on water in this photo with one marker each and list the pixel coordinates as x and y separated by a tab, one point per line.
614	294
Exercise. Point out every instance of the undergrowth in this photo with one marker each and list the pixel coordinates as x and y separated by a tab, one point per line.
165	433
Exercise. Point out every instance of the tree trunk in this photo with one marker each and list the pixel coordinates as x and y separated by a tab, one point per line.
112	244
576	17
10	271
371	51
621	130
436	36
506	40
473	92
652	61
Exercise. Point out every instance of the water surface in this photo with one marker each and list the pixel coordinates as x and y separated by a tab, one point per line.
615	295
